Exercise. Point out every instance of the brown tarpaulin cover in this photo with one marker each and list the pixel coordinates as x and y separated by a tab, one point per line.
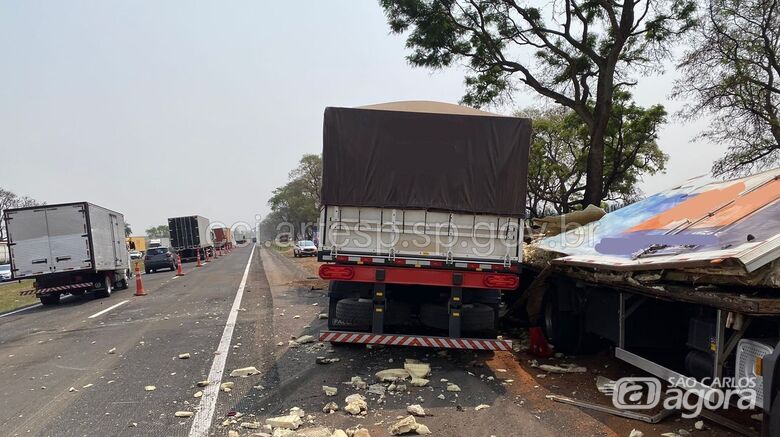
425	155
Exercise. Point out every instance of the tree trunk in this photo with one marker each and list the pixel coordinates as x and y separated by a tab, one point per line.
594	180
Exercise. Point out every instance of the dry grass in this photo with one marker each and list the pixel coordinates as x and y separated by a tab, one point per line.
10	299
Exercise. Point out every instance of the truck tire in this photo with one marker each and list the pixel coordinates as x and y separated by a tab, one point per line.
562	328
50	299
108	287
353	313
475	317
148	271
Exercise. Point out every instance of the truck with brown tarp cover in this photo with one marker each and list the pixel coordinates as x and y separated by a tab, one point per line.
421	223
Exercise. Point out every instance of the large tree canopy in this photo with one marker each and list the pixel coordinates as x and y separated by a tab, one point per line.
295	205
732	73
557	167
577	53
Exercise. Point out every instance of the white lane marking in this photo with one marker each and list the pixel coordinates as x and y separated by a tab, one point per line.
100	313
208	402
20	310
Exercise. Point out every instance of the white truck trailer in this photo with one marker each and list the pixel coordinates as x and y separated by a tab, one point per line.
69	248
421	223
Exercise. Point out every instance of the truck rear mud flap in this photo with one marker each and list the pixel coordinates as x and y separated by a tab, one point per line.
416	340
64	288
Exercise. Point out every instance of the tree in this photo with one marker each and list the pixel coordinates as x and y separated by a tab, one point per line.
9	199
160	231
128	230
732	73
579	58
558	159
297	203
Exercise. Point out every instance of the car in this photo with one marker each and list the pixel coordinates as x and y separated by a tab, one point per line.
304	248
5	272
135	254
159	258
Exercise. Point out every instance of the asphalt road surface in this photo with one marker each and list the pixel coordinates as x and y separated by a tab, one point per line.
81	368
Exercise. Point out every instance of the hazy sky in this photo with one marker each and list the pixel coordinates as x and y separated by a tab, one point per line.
165	108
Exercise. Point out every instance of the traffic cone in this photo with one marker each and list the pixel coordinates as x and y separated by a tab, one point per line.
139	284
179	271
206	254
197	255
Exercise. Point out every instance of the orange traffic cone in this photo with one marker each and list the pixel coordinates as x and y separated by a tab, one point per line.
139	284
197	254
179	271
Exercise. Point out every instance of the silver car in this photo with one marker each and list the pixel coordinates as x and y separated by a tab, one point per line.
5	272
304	248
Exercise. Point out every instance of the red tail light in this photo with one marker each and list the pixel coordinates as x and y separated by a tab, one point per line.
330	271
505	282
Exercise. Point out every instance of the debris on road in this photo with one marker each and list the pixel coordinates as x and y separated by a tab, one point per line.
605	385
112	350
636	433
250	425
305	339
323	316
419	382
204	383
244	372
150	388
290	421
563	368
184	356
339	433
416	410
699	425
417	369
358	383
324	360
227	386
184	414
72	389
452	387
392	375
330	391
407	425
330	407
356	404
198	394
481	407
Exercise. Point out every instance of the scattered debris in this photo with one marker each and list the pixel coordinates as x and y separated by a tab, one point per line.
339	433
150	388
416	369
72	389
250	425
452	387
88	386
184	356
563	368
198	394
330	407
441	396
292	344
298	412
233	433
296	316
636	433
324	360
699	425
605	385
204	383
419	382
358	383
481	407
184	414
305	339
244	372
290	421
416	410
323	316
330	391
112	351
227	386
356	404
392	375
360	432
406	425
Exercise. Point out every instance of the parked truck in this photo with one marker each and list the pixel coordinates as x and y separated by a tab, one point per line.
68	248
420	228
223	238
190	236
683	285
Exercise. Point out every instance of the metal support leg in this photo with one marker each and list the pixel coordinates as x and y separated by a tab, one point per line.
720	334
456	305
622	321
379	295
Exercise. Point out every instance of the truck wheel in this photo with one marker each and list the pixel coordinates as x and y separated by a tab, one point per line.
475	317
108	287
562	328
148	271
50	299
353	313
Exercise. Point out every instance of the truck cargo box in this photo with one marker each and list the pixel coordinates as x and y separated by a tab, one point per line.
190	232
67	237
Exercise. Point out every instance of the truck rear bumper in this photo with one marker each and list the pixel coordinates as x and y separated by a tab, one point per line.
64	288
419	276
416	340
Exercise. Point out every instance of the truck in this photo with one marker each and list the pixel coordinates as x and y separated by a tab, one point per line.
683	285
421	223
223	238
190	236
136	243
68	248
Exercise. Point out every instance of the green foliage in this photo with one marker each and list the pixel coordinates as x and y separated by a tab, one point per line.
732	74
128	230
579	58
161	231
558	159
295	205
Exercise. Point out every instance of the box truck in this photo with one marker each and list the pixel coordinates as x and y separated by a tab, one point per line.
421	223
190	235
68	248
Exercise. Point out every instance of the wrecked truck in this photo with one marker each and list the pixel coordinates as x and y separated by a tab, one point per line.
421	223
685	285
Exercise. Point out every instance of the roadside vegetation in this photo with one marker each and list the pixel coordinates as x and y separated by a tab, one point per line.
10	299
